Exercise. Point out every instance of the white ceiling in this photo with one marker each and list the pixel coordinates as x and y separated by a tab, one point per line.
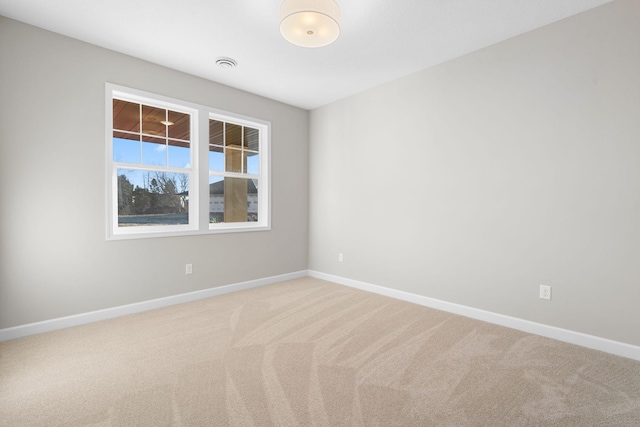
380	40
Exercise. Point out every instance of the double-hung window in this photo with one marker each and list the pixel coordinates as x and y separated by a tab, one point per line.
176	168
234	171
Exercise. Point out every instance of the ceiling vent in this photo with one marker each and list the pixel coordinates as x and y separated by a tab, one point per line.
223	62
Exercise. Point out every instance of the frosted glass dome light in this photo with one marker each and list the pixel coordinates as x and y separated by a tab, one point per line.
310	23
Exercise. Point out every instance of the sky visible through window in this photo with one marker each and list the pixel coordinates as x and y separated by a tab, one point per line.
130	151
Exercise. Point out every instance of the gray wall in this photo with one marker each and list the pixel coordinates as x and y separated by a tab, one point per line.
54	259
478	180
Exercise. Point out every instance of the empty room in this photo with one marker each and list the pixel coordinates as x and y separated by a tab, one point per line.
320	212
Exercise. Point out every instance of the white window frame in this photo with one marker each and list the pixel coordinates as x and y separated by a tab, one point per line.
198	173
263	181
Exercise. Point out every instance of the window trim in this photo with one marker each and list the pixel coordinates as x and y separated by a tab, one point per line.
264	162
199	172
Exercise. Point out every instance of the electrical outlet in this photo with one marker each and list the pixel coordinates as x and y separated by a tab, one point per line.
545	292
188	268
340	257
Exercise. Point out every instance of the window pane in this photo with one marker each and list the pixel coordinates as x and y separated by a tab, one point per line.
154	151
179	154
216	199
152	198
233	160
126	150
232	200
233	135
180	129
251	139
152	119
253	163
126	115
216	158
216	132
252	200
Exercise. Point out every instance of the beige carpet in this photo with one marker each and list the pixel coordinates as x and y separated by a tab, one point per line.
309	352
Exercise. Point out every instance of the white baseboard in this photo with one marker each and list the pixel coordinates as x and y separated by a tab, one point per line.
109	313
565	335
572	337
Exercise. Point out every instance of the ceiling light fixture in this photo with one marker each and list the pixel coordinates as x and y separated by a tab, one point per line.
166	122
310	23
224	62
